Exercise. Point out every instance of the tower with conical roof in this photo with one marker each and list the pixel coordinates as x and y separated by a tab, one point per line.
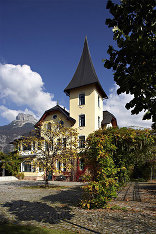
86	96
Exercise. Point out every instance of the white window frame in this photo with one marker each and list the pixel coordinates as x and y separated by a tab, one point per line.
79	99
80	121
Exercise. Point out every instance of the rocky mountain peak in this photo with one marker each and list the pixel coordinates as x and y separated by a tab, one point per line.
25	118
22	119
23	124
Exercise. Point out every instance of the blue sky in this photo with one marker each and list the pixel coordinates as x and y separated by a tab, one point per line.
41	42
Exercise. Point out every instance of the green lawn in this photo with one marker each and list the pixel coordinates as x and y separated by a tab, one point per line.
25	229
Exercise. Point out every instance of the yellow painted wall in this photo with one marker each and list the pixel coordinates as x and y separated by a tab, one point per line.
90	109
33	173
98	110
60	116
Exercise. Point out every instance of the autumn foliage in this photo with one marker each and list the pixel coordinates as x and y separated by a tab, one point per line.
112	155
53	142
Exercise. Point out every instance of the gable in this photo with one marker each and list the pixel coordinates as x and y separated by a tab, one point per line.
61	114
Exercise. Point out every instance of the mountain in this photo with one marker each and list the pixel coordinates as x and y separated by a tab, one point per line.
23	124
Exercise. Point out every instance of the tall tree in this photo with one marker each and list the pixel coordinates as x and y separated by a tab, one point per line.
134	61
53	141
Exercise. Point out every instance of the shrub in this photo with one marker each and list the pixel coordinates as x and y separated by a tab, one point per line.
20	176
112	154
104	185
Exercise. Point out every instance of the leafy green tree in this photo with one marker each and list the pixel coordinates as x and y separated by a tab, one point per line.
111	155
134	60
10	162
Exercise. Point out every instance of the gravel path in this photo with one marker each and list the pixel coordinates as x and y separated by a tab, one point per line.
134	208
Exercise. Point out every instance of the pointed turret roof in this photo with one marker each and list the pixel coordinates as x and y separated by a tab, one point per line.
85	73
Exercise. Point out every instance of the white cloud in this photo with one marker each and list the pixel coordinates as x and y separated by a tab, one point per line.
116	105
10	115
23	87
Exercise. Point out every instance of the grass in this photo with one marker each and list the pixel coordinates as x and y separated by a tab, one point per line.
25	229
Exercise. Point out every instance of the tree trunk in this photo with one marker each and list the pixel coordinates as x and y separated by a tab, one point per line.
46	178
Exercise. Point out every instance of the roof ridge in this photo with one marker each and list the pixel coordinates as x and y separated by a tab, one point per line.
57	107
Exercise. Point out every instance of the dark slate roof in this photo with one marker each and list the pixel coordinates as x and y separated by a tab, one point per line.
85	73
107	117
55	108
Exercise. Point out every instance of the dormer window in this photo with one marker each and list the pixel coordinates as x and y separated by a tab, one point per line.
81	99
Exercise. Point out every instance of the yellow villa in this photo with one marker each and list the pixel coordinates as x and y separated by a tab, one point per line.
86	115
